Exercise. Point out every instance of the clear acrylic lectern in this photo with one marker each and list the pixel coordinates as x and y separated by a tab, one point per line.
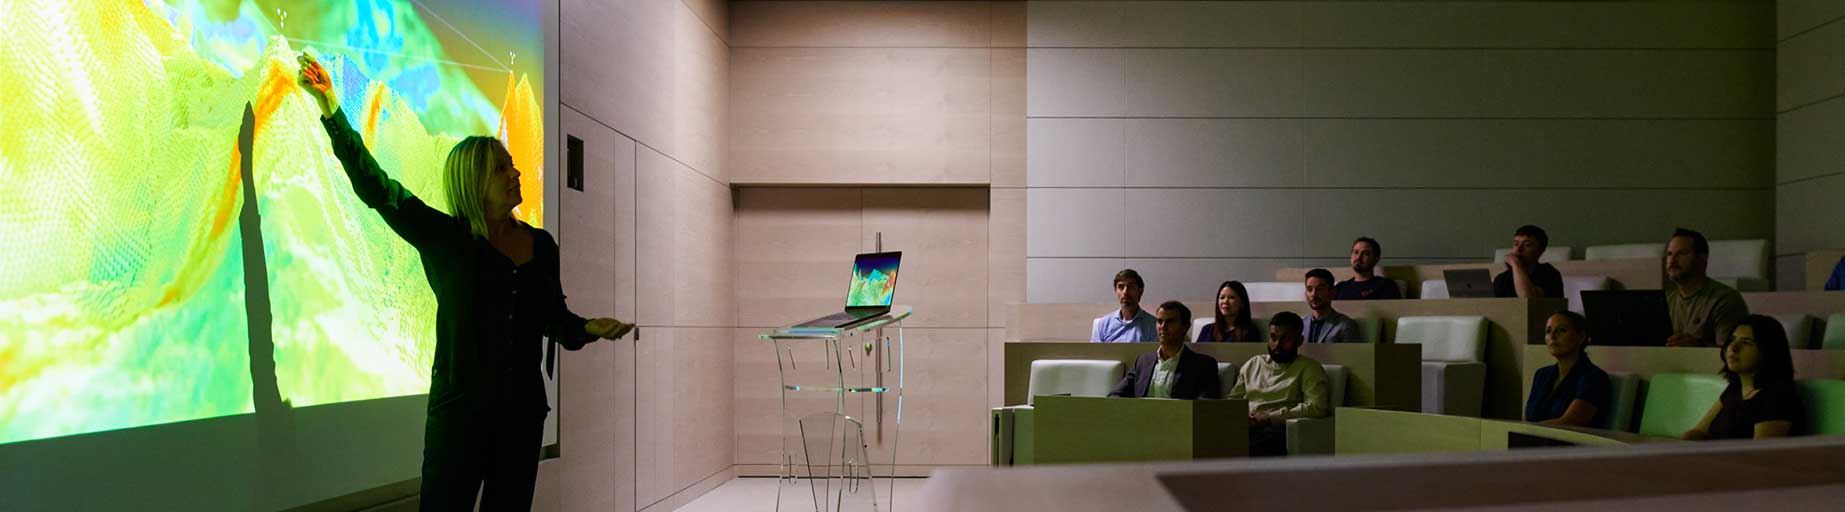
841	404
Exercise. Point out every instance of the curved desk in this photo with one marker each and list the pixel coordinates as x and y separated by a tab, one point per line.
1374	431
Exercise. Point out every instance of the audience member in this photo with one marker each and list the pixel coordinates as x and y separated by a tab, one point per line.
1172	371
1703	311
1326	325
1130	323
1233	323
1525	276
1279	386
1837	281
1760	401
1573	391
1367	285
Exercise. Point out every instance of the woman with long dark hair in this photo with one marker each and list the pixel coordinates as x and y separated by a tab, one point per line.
498	295
1760	401
1233	323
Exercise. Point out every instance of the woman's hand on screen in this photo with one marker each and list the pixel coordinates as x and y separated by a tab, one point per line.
607	328
318	84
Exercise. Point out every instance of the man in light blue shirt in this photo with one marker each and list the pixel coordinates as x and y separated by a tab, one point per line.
1130	323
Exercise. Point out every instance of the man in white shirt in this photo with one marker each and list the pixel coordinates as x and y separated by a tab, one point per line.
1279	386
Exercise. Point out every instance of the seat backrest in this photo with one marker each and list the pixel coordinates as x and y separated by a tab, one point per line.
1198	327
1552	254
1227	374
1624	251
1834	337
1574	285
1456	339
1335	385
1434	289
1739	258
1825	403
1370	330
1675	402
1076	377
1276	292
1623	391
1799	329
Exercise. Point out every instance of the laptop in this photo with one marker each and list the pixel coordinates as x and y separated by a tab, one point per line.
1470	283
874	284
1627	317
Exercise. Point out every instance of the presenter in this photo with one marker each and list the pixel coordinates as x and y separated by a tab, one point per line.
497	297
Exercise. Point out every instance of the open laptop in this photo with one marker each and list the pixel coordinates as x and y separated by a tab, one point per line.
1469	283
874	284
1627	317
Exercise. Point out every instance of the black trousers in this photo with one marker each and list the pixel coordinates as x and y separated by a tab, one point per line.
1268	442
497	450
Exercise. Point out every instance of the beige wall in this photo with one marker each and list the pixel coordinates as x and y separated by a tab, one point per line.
644	423
1229	139
1810	131
901	118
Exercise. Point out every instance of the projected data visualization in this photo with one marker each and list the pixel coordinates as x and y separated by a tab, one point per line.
172	205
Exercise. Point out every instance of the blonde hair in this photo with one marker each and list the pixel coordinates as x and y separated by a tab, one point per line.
465	175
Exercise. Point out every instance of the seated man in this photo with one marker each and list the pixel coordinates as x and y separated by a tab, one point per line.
1172	371
1130	323
1280	386
1326	325
1525	276
1703	311
1367	285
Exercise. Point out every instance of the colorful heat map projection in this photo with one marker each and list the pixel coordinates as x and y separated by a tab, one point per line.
122	269
874	280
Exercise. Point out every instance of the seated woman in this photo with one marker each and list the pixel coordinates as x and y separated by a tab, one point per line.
1574	391
1760	401
1233	323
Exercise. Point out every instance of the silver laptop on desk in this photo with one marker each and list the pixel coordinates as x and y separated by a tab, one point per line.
874	284
1471	283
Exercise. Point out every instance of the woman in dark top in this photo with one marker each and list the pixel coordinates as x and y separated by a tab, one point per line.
497	298
1760	401
1574	391
1233	323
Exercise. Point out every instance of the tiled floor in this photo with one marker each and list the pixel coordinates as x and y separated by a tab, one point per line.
758	494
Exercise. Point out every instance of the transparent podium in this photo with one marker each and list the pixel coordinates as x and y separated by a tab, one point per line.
841	403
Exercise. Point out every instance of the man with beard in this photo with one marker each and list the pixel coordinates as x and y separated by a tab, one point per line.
1279	386
1367	285
1326	325
1703	311
1172	371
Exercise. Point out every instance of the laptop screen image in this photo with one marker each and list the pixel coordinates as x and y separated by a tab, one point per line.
874	280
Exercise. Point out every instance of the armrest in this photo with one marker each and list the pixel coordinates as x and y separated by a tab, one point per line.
1310	436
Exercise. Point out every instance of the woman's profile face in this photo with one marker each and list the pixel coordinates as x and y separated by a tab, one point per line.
503	186
1563	337
1741	355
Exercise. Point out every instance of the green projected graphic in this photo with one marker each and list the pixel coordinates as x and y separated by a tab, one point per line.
126	297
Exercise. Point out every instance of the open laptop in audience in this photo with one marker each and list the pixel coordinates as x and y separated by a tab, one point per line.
874	284
1470	283
1627	317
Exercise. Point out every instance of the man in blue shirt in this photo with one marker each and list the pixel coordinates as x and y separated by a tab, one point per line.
1130	323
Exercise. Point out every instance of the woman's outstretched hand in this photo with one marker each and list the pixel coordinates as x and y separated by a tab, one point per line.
318	84
607	328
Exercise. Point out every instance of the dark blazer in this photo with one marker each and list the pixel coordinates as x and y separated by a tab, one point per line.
1196	377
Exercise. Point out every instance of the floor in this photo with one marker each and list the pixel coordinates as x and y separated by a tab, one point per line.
751	494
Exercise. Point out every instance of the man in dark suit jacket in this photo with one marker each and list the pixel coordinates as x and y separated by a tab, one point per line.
1173	371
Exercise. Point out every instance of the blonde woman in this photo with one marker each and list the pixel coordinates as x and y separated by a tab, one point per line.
497	297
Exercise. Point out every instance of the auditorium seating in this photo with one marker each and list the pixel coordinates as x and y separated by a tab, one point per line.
1227	374
1741	263
1552	254
1199	323
1276	291
1434	289
1574	285
1075	377
1623	393
1834	337
1625	251
1675	402
1314	436
1453	361
1799	327
1824	400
